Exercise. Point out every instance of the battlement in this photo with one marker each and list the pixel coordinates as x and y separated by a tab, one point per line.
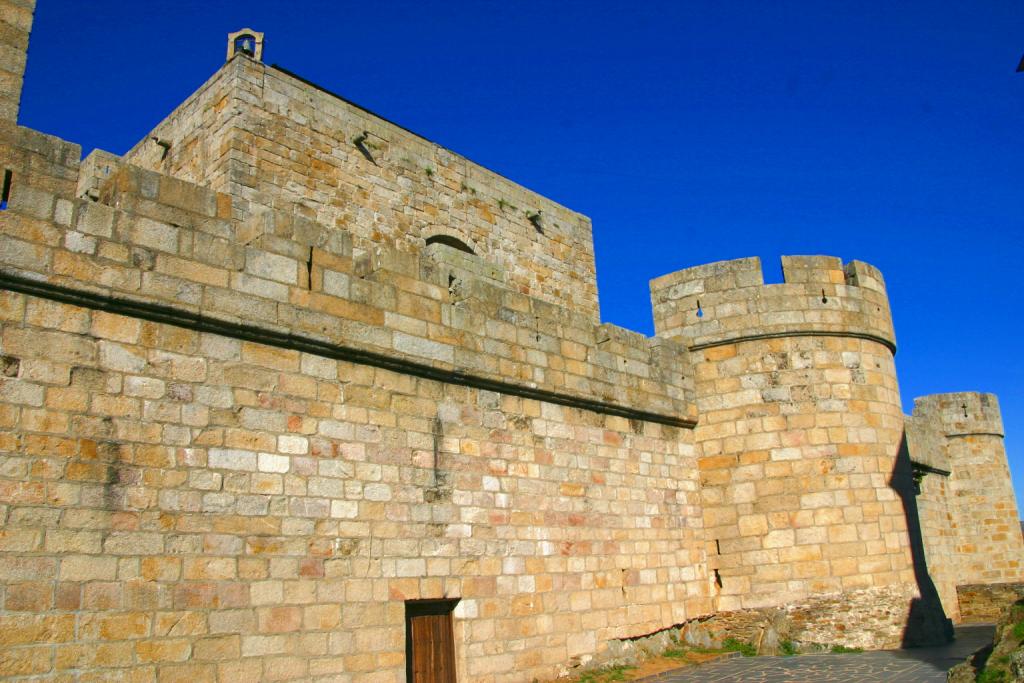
728	301
159	243
961	413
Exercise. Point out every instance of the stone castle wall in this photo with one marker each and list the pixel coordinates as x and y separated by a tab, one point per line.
179	504
227	461
271	140
250	407
15	26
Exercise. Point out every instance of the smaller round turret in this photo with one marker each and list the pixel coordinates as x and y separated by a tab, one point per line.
961	413
967	433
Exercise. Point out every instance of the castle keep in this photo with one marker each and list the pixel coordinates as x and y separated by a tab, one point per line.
291	393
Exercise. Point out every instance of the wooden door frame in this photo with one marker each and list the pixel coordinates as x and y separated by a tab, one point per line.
427	607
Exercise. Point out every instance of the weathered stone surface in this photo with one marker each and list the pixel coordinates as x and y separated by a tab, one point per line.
257	392
16	16
987	603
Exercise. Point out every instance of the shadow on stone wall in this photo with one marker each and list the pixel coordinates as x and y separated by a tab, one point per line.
927	623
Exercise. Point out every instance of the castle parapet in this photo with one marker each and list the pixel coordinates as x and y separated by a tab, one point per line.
964	413
728	301
160	247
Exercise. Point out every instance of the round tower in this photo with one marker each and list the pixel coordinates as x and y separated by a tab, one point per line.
987	542
800	431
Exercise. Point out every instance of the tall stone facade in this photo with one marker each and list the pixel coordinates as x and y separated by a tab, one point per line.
286	372
271	141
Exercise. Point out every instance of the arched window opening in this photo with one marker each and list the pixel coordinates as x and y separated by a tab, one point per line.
453	242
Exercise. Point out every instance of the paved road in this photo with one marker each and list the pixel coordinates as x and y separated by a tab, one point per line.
919	665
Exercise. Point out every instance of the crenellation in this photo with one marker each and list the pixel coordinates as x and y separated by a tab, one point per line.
865	276
727	301
961	414
286	366
809	270
38	163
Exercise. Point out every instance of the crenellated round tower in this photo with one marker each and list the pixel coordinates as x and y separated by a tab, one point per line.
986	537
800	431
727	301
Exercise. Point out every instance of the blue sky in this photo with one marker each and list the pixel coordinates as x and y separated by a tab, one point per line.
689	132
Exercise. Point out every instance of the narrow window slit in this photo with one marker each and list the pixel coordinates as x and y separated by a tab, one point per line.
309	270
6	194
438	434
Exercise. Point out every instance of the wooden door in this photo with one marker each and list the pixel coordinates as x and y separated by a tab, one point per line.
429	641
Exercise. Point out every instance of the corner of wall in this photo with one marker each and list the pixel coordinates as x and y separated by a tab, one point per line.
16	17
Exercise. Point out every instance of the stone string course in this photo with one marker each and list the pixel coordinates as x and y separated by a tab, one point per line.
255	394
